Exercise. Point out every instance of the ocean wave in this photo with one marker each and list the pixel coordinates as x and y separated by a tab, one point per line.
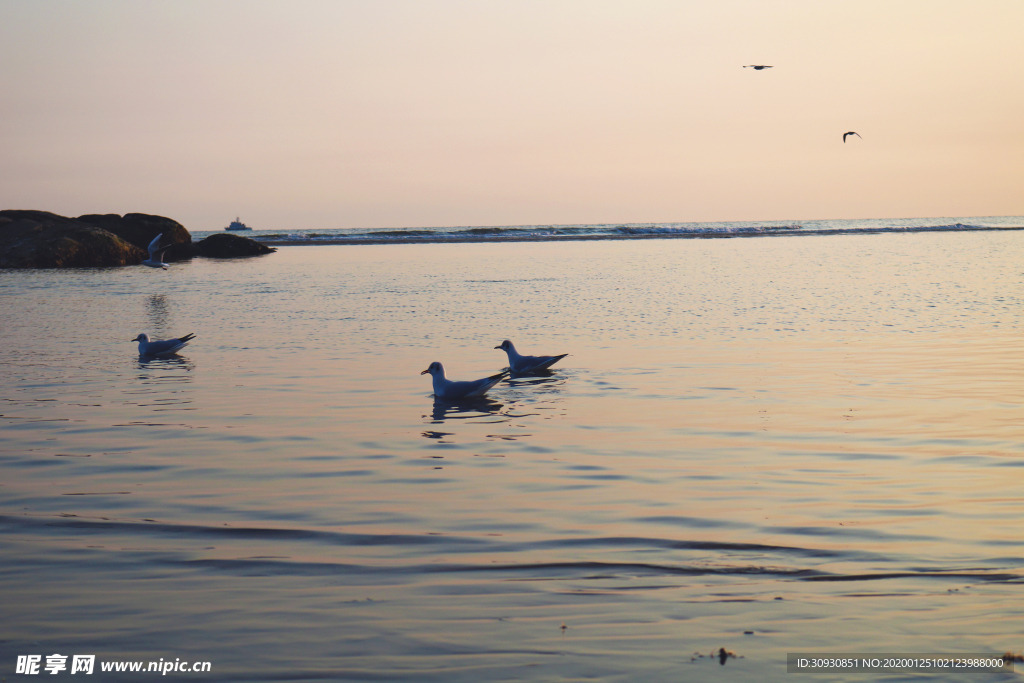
668	230
618	232
631	231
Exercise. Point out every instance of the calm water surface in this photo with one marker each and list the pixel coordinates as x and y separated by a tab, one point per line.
764	445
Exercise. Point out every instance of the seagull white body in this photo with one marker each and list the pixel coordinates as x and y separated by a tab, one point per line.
165	347
446	388
757	67
851	133
156	254
519	363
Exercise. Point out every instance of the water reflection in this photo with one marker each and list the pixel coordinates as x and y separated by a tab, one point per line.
542	375
463	410
158	312
162	384
538	378
175	362
534	387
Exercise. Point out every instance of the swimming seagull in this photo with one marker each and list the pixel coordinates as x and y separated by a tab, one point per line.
166	347
518	363
851	133
757	67
445	388
156	254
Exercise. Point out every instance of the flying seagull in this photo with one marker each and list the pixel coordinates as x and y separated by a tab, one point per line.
851	133
156	254
165	347
453	391
518	363
757	67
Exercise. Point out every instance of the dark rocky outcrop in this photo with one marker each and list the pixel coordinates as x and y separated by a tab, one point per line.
40	239
226	245
140	229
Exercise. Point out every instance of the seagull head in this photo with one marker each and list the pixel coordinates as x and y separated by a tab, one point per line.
435	369
505	345
141	338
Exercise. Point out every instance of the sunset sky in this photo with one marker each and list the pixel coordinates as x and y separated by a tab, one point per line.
389	113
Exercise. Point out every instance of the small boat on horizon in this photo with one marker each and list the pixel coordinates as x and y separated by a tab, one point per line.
237	224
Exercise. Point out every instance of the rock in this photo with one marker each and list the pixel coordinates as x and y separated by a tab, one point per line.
226	245
40	239
140	229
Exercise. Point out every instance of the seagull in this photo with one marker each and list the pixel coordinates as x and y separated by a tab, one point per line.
851	133
445	388
518	363
156	254
166	347
757	67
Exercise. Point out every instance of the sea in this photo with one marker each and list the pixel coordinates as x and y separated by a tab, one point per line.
610	231
766	455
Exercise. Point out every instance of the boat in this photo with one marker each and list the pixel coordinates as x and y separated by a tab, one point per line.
237	224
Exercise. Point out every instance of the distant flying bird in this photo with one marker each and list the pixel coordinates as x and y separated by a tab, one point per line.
453	391
757	67
851	133
156	254
519	363
166	347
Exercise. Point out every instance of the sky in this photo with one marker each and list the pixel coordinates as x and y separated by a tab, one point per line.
312	114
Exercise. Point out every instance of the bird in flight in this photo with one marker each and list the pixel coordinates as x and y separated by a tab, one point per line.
851	133
156	254
757	67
